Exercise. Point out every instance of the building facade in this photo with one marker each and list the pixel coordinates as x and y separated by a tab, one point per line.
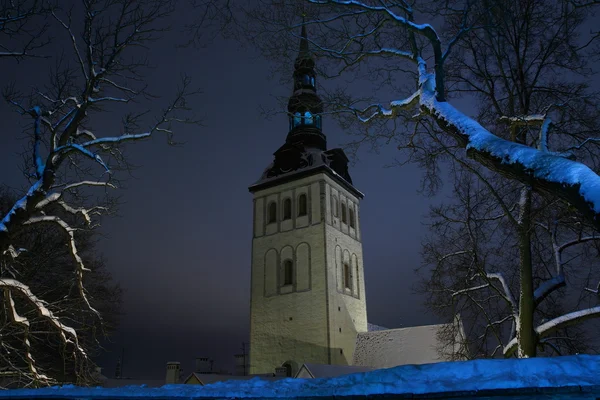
307	282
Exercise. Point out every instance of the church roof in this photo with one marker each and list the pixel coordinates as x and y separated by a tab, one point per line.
372	327
393	347
329	371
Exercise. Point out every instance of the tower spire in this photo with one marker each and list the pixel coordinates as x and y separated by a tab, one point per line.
305	106
304	52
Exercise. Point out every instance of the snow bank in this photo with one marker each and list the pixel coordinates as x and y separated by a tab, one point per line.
573	371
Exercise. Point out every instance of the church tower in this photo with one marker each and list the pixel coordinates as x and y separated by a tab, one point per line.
307	281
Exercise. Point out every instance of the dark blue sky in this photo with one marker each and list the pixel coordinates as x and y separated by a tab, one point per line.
181	247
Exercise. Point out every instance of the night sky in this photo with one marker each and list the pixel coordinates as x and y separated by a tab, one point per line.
181	246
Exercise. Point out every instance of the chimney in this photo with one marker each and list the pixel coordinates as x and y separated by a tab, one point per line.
204	365
172	372
240	364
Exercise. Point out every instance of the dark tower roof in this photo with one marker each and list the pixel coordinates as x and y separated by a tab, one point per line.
305	147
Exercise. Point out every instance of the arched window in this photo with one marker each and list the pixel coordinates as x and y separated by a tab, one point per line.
306	80
272	213
288	272
288	370
347	276
344	220
357	283
335	206
312	81
308	118
351	212
318	121
297	119
302	205
287	209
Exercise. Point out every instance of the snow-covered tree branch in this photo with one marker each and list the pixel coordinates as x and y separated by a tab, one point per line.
526	68
71	159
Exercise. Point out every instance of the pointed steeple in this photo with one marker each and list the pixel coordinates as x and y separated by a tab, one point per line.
305	106
305	147
304	53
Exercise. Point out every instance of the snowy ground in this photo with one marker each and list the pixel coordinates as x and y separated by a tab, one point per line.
578	372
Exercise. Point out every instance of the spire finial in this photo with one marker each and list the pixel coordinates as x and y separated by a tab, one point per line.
304	53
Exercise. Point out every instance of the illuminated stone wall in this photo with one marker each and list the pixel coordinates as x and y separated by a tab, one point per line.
310	320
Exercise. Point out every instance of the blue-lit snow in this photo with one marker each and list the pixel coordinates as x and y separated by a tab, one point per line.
581	370
545	165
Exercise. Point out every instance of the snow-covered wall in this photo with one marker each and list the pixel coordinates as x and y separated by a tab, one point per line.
575	377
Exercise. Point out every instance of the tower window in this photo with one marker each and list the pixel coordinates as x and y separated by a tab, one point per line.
344	220
297	119
335	206
307	80
308	118
272	213
318	121
351	212
347	276
357	282
287	209
302	205
288	272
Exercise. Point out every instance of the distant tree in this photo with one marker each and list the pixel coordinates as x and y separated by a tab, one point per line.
528	67
71	168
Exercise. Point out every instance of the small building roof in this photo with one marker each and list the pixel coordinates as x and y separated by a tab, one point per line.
392	347
310	370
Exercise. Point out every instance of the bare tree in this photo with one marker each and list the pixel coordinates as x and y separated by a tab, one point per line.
518	59
23	28
540	132
71	164
47	266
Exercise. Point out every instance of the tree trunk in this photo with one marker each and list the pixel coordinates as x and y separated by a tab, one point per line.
525	333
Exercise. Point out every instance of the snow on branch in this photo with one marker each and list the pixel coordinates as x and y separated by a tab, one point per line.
507	292
67	334
24	323
556	324
373	111
81	268
549	173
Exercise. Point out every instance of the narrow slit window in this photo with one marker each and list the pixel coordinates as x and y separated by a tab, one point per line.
351	212
347	276
357	283
272	213
287	209
288	272
302	205
344	220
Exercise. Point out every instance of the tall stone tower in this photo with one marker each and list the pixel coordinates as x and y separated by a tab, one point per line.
308	291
